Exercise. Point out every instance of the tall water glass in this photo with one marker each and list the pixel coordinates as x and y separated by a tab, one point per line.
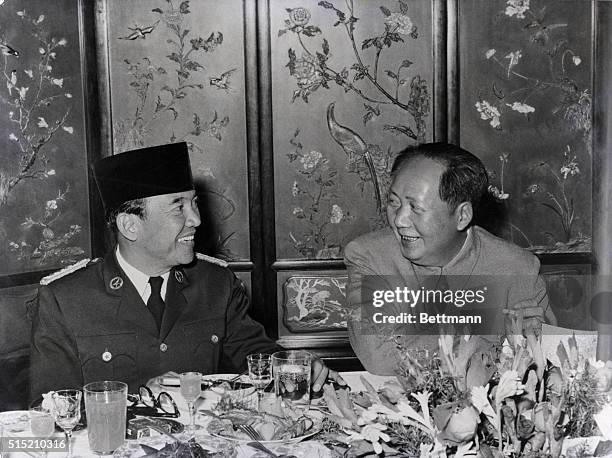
105	405
67	412
291	371
191	388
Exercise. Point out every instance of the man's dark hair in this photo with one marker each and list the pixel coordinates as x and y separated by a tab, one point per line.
465	178
136	207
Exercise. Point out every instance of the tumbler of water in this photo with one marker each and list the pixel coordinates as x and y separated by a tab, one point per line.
105	405
291	371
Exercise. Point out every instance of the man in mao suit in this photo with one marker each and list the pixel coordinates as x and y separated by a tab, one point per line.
431	240
148	307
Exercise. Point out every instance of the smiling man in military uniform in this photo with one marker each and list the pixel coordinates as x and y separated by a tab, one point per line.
146	308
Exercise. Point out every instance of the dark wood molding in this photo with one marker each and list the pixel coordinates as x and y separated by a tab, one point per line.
452	70
266	148
440	93
309	264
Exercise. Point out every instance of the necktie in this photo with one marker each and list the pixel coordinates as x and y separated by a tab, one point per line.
155	303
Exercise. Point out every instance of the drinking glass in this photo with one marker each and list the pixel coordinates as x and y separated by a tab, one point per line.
105	405
42	423
291	371
260	371
191	387
67	412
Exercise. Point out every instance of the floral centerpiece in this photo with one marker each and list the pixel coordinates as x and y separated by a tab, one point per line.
471	400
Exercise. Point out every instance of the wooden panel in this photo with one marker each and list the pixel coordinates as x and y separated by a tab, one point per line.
569	294
525	95
177	73
350	87
48	105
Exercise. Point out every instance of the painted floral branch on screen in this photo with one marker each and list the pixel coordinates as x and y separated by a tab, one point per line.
529	90
315	303
388	87
316	204
160	89
33	103
575	102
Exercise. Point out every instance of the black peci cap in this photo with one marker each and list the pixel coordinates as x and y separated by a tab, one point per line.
141	173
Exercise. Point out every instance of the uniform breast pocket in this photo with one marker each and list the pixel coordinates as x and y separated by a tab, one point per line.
109	357
205	338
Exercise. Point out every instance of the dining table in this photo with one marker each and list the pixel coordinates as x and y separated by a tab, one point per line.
310	447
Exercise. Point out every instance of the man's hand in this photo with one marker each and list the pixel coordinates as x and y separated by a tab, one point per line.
526	316
320	373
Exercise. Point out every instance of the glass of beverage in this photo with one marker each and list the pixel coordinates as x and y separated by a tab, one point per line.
42	422
291	371
67	412
191	387
260	371
105	405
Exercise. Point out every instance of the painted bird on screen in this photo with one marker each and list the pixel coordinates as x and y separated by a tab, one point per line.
8	50
223	81
139	32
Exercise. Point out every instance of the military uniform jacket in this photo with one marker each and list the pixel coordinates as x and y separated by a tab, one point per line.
93	325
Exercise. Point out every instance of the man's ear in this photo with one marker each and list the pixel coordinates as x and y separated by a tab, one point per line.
464	214
128	225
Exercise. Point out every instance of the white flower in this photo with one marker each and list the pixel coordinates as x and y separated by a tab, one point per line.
13	246
577	60
336	214
514	59
47	402
372	433
58	81
11	114
68	95
70	130
52	55
488	112
42	123
571	168
295	189
50	172
52	204
400	23
41	50
13	137
521	107
21	13
22	92
298	210
49	68
311	160
40	19
490	53
517	8
62	42
29	73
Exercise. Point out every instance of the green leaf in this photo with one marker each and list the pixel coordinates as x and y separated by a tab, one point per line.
326	5
282	32
406	63
184	8
367	43
390	74
385	11
311	30
157	10
185	32
403	7
174	57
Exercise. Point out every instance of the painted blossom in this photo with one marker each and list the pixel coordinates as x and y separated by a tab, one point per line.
298	210
521	107
68	129
533	189
48	233
13	137
42	123
570	168
336	214
514	59
299	16
311	160
576	60
29	73
488	112
295	189
307	72
40	19
50	172
52	204
495	192
58	81
490	53
62	42
517	8
400	23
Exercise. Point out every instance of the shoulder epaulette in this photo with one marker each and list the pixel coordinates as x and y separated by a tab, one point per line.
219	262
65	271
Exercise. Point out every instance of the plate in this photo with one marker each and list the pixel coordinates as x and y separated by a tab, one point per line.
314	429
15	421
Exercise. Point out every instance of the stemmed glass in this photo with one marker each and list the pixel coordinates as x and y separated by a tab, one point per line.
191	387
260	372
67	412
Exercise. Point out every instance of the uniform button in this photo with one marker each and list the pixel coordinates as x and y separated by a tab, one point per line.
163	347
214	338
107	356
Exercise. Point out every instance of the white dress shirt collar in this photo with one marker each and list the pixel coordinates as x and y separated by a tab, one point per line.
140	280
